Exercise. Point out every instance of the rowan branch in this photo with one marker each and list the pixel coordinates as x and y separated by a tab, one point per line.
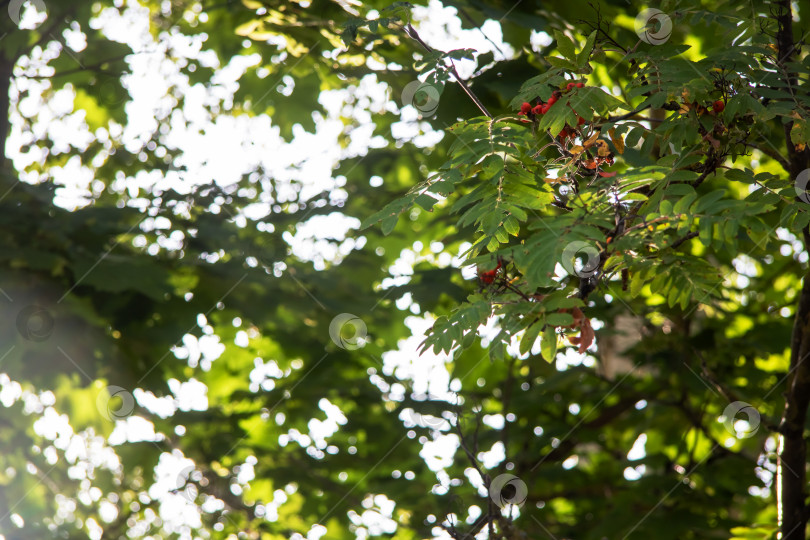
683	239
412	33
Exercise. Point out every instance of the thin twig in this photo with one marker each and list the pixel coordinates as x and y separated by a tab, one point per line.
680	241
411	31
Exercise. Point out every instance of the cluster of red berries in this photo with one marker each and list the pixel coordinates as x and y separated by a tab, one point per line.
526	109
489	277
717	107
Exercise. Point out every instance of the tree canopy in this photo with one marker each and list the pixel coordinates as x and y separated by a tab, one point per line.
474	269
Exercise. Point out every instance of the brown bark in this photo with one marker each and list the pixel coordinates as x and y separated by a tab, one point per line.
6	67
792	476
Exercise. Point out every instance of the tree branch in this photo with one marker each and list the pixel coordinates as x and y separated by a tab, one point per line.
771	153
6	67
411	31
791	474
683	239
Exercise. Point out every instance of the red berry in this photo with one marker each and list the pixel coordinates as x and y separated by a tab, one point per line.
718	106
569	86
489	277
525	108
546	107
580	85
538	109
552	100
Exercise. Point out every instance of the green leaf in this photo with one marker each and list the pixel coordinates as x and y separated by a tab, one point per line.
559	319
511	225
389	223
706	201
426	201
548	344
636	283
561	63
566	46
529	336
118	273
633	136
497	351
585	53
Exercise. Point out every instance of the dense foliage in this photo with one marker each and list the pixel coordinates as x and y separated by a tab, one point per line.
606	231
